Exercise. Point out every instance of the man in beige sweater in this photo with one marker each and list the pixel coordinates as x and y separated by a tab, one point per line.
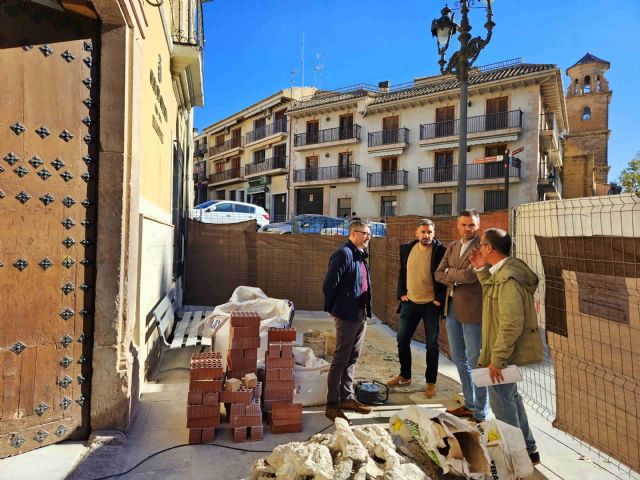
421	298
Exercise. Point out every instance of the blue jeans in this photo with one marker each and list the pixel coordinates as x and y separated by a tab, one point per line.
410	316
507	406
465	340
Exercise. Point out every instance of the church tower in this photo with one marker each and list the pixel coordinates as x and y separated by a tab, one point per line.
586	166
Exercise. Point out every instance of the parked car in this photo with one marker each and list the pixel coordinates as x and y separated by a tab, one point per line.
228	211
278	227
206	204
378	229
310	223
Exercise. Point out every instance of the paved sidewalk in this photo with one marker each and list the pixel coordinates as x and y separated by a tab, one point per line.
160	424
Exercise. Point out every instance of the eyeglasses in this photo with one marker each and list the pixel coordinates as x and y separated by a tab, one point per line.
366	234
481	244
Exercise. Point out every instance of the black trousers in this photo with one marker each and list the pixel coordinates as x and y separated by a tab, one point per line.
410	316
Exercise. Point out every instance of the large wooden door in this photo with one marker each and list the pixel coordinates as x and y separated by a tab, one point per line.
48	166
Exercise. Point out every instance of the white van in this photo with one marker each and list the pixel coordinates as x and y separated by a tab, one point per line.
228	211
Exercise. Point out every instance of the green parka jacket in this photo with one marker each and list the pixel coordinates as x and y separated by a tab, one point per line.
510	333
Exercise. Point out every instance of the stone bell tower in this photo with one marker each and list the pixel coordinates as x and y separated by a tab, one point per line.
586	166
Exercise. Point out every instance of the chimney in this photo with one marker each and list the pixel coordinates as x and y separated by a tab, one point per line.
383	86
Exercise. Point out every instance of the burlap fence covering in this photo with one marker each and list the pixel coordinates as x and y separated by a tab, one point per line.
221	257
592	307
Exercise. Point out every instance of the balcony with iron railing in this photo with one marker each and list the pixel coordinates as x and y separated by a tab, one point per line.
392	180
187	23
549	182
324	175
388	142
230	147
477	174
200	172
267	132
270	166
226	176
504	126
327	137
549	134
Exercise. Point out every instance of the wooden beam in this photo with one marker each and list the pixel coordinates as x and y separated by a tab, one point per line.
81	7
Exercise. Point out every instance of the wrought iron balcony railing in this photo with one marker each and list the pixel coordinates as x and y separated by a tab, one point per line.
225	175
266	165
383	179
237	142
266	131
327	173
479	123
328	135
480	171
388	137
200	172
188	24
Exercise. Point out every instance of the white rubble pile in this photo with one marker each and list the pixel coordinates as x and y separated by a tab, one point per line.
361	453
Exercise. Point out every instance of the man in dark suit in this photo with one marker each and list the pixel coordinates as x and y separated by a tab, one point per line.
421	298
347	297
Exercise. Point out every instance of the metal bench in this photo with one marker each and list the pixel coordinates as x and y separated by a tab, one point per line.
167	320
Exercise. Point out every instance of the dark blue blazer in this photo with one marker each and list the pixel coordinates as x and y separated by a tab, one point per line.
342	283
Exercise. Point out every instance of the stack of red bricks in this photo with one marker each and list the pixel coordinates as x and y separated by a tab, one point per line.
279	383
242	390
206	377
244	340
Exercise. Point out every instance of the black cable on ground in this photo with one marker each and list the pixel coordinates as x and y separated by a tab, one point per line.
191	445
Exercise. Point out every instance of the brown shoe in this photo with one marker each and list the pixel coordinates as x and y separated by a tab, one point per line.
334	412
399	381
430	390
355	406
461	411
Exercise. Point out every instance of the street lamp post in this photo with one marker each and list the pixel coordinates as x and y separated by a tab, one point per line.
459	64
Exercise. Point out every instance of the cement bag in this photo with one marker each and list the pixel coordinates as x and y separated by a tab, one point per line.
507	449
452	444
310	376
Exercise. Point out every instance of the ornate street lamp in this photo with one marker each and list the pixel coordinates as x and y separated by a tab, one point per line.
459	64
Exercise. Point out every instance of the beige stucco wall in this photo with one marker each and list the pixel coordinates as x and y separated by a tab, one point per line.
417	200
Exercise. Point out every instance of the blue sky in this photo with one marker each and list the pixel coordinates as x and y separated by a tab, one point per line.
252	47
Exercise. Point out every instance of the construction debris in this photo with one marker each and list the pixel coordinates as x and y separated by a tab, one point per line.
361	453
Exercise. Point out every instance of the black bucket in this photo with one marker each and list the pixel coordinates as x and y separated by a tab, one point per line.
372	393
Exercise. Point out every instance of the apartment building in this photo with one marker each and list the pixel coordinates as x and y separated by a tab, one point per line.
245	157
384	151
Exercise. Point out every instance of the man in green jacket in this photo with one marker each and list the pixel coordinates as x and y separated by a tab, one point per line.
510	334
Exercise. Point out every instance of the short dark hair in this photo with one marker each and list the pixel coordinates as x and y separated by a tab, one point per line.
499	239
471	212
426	221
357	224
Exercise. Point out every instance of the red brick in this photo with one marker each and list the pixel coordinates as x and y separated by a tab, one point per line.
239	434
281	395
210	422
205	356
286	350
286	428
244	319
279	385
211	399
282	334
195	436
239	373
250	353
245	421
208	435
205	386
206	370
194	398
245	332
287	410
256	434
203	411
278	362
286	374
245	343
238	409
253	409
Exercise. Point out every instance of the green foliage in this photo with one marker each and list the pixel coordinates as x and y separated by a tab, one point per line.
630	176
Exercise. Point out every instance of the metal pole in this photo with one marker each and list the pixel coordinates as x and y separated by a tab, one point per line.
462	148
507	163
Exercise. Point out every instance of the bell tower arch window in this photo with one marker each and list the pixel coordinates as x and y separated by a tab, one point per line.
586	113
587	84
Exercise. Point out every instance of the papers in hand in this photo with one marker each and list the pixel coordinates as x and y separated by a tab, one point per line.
481	377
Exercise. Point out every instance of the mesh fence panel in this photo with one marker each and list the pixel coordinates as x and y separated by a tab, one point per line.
586	254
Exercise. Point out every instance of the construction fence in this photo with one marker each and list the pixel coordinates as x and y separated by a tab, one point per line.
584	251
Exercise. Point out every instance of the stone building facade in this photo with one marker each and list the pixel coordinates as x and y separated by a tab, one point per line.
588	96
385	151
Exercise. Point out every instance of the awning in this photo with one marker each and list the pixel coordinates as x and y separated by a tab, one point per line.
254	190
